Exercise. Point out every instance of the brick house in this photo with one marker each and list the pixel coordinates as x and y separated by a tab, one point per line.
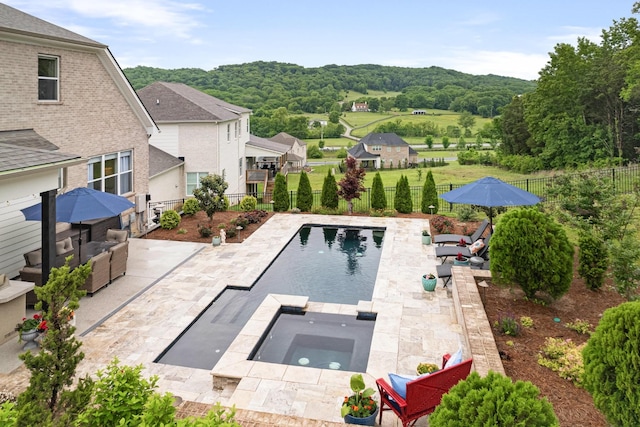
382	150
66	94
360	107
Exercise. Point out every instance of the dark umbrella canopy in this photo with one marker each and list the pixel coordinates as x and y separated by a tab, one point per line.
82	204
490	192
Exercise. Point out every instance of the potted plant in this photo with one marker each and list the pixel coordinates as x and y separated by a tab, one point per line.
429	281
462	243
461	260
359	408
426	368
426	237
29	330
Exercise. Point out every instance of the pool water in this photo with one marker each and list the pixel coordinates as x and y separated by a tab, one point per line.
317	340
326	263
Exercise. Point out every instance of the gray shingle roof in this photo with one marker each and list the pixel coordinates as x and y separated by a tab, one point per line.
17	22
267	144
16	158
285	138
360	153
386	139
161	161
177	102
27	138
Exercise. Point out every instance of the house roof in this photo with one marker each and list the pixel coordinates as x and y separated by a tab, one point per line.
386	139
358	152
160	161
285	138
177	102
25	150
267	144
20	23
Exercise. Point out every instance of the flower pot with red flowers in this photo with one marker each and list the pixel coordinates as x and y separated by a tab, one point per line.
359	408
29	330
462	243
460	259
429	282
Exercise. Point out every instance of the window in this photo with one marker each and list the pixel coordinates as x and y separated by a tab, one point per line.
228	132
388	149
48	78
111	173
248	125
397	149
193	181
235	130
240	166
240	128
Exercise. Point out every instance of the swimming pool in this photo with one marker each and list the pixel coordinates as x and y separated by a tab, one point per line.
326	263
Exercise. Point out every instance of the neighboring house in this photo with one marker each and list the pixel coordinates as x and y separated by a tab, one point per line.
166	175
207	133
419	112
264	158
69	91
297	153
360	107
382	150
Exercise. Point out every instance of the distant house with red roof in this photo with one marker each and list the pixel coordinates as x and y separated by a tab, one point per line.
360	107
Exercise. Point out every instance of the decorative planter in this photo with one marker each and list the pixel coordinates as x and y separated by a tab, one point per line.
426	240
464	261
30	339
367	421
215	241
429	285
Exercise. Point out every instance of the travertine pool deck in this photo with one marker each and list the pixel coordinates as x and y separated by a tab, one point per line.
412	326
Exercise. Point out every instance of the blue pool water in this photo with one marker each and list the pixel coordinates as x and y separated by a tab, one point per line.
326	263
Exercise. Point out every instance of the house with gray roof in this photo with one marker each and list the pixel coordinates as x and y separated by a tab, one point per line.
383	150
207	133
166	175
297	153
68	118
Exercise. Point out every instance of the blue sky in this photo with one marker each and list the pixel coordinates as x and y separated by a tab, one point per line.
503	37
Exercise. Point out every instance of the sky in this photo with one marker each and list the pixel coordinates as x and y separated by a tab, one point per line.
503	37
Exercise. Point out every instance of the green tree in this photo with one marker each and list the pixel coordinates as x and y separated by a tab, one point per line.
304	199
329	197
466	121
53	368
611	359
445	142
280	194
313	152
530	249
403	202
493	401
334	117
351	185
429	195
592	258
210	194
429	141
378	198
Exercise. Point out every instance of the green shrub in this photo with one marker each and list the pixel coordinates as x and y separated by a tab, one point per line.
624	265
580	326
564	357
204	230
304	200
611	365
403	202
329	197
169	219
531	250
378	198
493	401
280	194
191	207
8	414
248	203
442	224
593	259
526	322
342	153
508	325
119	393
467	213
210	194
216	417
429	195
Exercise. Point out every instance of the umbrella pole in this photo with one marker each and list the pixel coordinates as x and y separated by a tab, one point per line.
80	244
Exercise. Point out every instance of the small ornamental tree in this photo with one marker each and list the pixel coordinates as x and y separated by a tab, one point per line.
531	250
493	401
378	198
611	360
210	194
53	368
351	185
402	202
329	197
304	199
280	194
593	258
429	195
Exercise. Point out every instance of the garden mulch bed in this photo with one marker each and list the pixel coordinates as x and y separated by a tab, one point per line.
572	405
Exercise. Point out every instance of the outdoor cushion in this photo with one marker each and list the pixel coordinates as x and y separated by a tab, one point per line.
476	246
33	258
64	246
117	235
454	359
399	382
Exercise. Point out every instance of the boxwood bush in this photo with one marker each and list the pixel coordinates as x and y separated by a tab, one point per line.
191	207
169	219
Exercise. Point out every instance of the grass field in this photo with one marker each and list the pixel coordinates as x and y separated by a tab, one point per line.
353	95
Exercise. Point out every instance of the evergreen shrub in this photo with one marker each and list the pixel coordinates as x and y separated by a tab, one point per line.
429	195
593	259
378	198
329	197
403	202
248	203
169	219
191	207
280	194
304	200
493	401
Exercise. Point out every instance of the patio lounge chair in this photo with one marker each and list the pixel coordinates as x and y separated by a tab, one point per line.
442	239
423	394
443	252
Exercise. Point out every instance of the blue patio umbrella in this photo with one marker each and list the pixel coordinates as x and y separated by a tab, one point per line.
490	192
82	204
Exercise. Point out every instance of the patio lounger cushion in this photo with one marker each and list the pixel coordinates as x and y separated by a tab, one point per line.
454	359
476	246
117	235
399	382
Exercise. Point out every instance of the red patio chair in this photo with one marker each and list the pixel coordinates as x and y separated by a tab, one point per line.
423	393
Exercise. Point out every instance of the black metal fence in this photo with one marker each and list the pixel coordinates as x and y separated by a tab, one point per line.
622	178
